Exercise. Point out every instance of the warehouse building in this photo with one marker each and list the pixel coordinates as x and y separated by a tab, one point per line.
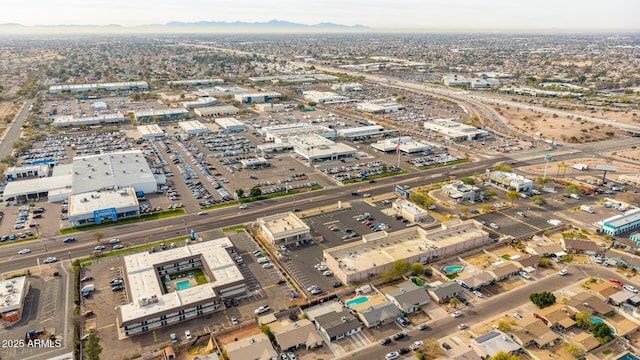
230	124
380	106
26	171
99	106
281	133
217	111
283	229
323	97
160	114
69	120
347	87
12	295
257	98
162	289
362	131
314	148
406	145
270	107
79	88
199	103
376	252
452	130
195	82
620	223
151	131
193	127
104	206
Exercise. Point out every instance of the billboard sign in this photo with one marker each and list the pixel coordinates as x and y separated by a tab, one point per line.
400	191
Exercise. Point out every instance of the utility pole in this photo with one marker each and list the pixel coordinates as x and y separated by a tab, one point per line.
546	165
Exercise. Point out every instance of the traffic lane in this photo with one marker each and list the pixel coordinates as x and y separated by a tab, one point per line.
489	309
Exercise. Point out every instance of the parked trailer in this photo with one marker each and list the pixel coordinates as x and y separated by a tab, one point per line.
581	167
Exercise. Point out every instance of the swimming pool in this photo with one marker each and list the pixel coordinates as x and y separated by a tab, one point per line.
453	269
595	320
358	301
182	285
628	356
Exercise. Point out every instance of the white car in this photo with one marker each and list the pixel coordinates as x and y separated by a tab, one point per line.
119	246
50	260
202	213
24	251
392	355
478	294
494	225
432	207
630	288
268	265
416	345
114	241
100	247
327	273
366	195
292	356
262	309
187	334
322	268
456	314
312	287
517	316
234	320
564	272
242	207
463	326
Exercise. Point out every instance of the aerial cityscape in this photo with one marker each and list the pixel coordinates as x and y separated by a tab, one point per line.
273	183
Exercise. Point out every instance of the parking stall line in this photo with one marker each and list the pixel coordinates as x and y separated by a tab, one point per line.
107	326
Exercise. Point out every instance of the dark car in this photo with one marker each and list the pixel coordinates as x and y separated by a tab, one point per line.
385	341
117	288
86	278
337	284
400	335
69	239
403	351
446	346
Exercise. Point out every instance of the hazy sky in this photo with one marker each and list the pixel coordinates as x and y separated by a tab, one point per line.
385	14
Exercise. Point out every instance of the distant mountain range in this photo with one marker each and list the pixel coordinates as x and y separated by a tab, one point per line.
178	26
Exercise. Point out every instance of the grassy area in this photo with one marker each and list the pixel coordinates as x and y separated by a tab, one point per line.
280	194
18	241
451	163
132	249
574	236
200	277
145	217
374	177
237	228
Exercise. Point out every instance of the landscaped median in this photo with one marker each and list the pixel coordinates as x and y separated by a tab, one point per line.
144	217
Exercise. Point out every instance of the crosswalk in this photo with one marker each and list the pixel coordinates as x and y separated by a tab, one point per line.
350	343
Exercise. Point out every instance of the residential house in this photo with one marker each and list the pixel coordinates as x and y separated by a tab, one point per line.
254	347
378	314
408	297
493	342
504	272
620	297
475	281
532	331
462	352
605	289
577	246
337	325
296	334
444	292
528	261
556	316
586	341
592	304
545	249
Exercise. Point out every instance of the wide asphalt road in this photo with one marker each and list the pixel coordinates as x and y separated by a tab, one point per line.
488	309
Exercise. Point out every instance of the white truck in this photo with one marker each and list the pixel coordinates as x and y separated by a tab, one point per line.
586	208
89	288
581	167
574	196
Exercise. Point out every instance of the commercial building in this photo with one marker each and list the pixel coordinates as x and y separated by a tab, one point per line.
257	162
452	130
380	106
99	106
347	87
298	78
376	252
27	171
510	181
362	131
257	98
282	133
193	127
104	206
314	148
323	97
407	145
270	107
195	82
199	103
475	83
620	223
410	211
461	192
162	289
78	88
69	120
230	124
160	114
12	295
283	229
217	111
151	131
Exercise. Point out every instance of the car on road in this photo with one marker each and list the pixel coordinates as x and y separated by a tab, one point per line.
24	251
262	309
385	341
202	213
243	206
617	282
234	320
296	209
478	294
563	272
404	350
50	260
456	314
99	247
366	195
400	335
423	326
392	355
462	326
118	246
494	225
188	335
114	241
327	273
432	207
69	239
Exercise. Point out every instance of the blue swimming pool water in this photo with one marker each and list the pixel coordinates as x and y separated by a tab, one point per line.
183	285
357	301
628	356
453	268
595	320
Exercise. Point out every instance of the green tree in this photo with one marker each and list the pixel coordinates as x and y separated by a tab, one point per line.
300	106
490	193
239	192
573	349
504	326
601	331
9	160
538	200
573	189
255	191
513	195
501	355
401	267
98	235
454	301
543	180
468	180
583	319
387	276
267	331
503	168
464	210
417	269
92	347
543	299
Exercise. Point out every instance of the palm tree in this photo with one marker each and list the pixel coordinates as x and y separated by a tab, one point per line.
562	166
